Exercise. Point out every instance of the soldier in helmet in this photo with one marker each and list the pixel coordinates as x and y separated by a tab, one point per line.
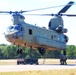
63	59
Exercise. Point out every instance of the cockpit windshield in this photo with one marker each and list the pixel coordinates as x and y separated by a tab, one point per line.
17	27
12	28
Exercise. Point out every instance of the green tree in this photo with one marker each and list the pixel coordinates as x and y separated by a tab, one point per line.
71	51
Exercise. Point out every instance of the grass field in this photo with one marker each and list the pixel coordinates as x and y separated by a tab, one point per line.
39	72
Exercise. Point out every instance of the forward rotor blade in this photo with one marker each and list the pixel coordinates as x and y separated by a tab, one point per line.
10	12
66	7
4	11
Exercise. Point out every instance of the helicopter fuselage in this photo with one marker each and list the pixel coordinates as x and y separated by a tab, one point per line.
34	36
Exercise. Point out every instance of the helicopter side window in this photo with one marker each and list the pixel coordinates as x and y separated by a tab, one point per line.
38	33
52	37
30	31
44	35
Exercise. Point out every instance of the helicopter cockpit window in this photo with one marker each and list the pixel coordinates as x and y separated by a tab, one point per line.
21	29
16	27
10	28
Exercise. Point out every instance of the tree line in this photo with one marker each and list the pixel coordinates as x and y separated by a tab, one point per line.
10	52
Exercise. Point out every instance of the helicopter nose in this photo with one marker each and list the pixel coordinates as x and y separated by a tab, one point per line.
10	35
7	36
13	35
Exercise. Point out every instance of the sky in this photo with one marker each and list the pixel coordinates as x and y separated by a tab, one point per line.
41	21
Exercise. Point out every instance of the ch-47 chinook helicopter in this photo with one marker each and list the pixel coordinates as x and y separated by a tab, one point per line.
21	33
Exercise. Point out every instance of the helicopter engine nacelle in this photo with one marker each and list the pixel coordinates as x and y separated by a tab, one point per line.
66	38
61	29
56	22
64	30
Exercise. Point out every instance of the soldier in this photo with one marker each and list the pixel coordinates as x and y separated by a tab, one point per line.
63	59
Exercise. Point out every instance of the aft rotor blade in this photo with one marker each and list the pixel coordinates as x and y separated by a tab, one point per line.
69	15
42	14
66	7
61	11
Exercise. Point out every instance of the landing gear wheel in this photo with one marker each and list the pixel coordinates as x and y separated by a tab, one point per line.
64	52
19	51
41	50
